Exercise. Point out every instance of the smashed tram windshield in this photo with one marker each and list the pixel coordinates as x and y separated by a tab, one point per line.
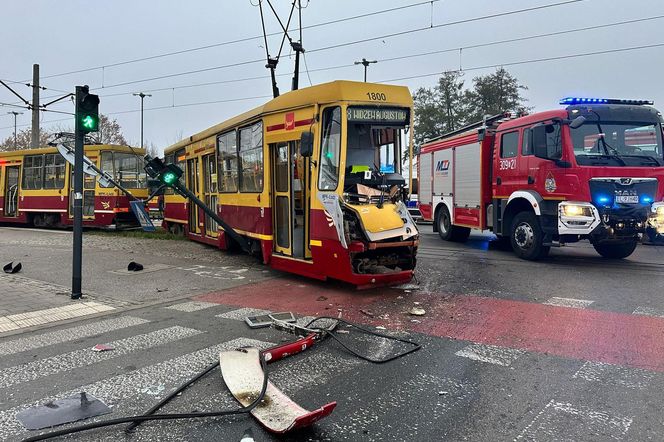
619	143
375	140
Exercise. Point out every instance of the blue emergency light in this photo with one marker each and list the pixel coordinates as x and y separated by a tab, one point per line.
582	100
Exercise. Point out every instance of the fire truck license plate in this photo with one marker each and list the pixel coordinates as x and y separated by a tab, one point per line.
627	199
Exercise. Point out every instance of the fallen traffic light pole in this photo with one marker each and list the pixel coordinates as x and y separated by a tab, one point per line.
169	175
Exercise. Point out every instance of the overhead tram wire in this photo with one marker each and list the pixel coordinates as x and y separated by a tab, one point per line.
522	62
402	57
411	31
244	39
474	68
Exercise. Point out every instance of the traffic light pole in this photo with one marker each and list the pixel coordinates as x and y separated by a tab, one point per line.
78	204
182	190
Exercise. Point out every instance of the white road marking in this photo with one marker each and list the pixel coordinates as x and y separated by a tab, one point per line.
242	313
38	317
648	311
192	306
609	374
225	272
568	302
80	358
490	353
69	334
124	393
403	396
575	423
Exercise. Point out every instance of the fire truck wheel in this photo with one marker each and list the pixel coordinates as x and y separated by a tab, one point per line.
446	230
616	250
526	237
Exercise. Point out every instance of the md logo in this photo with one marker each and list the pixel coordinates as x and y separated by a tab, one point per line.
442	165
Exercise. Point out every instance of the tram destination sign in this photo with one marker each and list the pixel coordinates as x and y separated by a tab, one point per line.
378	115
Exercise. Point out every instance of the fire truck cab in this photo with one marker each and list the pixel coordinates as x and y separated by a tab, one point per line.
594	170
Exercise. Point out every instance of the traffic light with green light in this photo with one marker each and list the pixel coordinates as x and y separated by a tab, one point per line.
167	174
87	111
170	175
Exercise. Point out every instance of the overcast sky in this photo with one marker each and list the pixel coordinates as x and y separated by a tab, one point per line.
64	36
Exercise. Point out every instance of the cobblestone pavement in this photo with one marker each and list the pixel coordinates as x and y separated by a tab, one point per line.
173	269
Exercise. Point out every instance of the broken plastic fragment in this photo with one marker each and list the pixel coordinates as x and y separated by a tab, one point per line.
417	311
102	347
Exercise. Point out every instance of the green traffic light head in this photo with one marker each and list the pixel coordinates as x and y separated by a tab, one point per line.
169	178
90	123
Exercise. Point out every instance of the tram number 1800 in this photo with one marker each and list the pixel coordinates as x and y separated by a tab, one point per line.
377	96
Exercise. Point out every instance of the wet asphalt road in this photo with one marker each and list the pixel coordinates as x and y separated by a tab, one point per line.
512	350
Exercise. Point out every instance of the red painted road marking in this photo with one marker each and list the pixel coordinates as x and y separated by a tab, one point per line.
614	338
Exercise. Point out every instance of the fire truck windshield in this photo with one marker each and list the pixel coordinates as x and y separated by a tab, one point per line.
618	143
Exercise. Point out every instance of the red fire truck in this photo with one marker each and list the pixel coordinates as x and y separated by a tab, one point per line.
594	170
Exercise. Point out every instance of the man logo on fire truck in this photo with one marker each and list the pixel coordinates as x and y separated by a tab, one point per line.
592	171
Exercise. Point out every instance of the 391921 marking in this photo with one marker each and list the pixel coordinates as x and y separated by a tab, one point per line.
377	96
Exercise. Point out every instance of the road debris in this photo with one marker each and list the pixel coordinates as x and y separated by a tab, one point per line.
417	311
134	267
321	298
102	347
367	312
62	411
248	436
10	268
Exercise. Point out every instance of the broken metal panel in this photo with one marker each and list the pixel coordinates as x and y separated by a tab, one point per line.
243	375
62	411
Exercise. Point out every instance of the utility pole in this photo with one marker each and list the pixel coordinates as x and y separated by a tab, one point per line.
34	138
142	95
366	64
15	115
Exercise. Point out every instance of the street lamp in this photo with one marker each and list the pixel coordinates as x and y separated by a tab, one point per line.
142	95
15	114
366	64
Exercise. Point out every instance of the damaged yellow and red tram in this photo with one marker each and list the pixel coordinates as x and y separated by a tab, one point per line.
312	178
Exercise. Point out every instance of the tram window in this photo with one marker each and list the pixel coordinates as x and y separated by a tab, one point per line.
251	158
228	161
54	171
328	173
107	165
33	175
128	170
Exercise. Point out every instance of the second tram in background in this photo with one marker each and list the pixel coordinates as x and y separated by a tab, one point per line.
36	187
312	179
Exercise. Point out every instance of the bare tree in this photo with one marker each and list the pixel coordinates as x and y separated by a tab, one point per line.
23	139
110	131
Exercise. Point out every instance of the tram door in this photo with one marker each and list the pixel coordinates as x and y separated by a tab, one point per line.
11	191
192	184
210	193
88	195
290	200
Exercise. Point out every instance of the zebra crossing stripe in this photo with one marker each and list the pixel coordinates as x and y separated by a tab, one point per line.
242	313
133	392
191	306
491	354
80	358
38	317
69	334
609	374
